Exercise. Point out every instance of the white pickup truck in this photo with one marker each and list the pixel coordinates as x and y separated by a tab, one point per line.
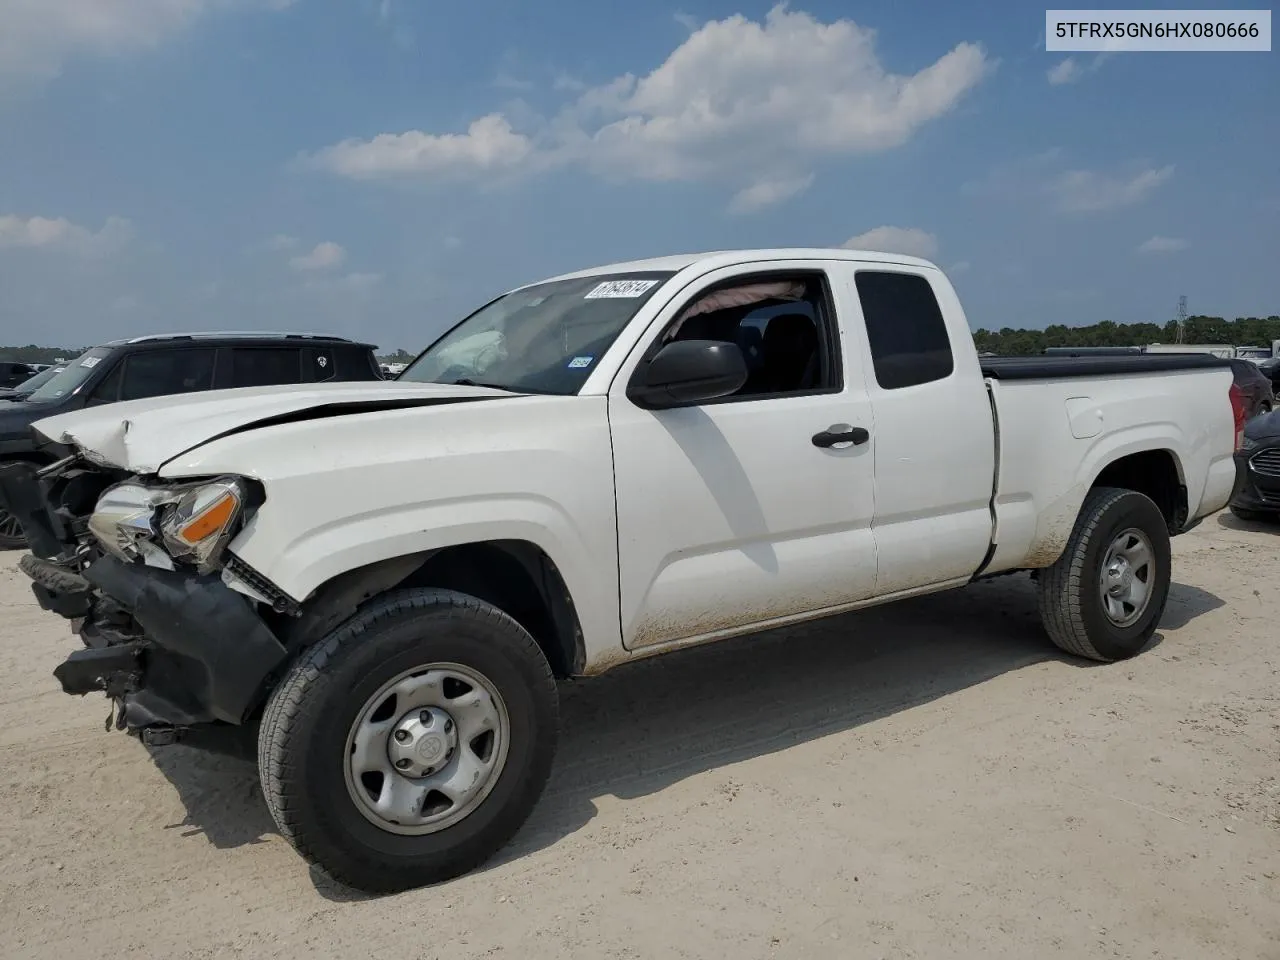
388	578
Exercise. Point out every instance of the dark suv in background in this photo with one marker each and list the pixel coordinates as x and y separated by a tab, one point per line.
164	364
13	373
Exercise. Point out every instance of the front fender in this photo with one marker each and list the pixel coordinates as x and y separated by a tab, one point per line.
350	491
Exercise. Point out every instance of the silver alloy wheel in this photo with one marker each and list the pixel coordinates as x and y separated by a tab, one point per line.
427	748
1127	577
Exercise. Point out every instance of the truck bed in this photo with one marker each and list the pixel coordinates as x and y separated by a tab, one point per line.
1056	368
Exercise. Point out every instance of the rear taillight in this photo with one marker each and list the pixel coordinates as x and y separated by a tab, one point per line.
1238	413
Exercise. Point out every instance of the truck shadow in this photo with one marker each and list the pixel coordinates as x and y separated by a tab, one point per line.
648	725
1230	521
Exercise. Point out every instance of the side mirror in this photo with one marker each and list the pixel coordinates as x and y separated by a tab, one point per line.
688	372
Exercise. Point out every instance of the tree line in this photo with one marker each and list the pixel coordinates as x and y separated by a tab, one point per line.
1243	331
1253	331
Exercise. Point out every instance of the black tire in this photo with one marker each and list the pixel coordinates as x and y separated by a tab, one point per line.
1071	607
1250	516
304	731
11	535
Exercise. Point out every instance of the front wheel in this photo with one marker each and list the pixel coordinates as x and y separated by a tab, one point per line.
1103	598
410	745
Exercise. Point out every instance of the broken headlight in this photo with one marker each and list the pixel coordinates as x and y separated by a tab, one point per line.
191	523
196	528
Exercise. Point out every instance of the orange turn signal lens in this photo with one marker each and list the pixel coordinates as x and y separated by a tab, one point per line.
212	519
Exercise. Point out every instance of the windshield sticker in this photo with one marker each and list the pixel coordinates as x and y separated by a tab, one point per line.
577	363
90	362
620	289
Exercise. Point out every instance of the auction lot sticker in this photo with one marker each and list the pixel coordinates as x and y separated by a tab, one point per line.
620	289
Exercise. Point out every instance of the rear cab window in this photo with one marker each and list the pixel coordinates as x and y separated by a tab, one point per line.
906	331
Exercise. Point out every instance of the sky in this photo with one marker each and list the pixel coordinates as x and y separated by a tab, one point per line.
380	168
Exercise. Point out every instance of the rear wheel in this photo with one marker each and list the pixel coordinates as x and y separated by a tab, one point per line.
1104	596
410	745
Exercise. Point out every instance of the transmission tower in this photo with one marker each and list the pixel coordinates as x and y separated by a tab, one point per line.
1182	317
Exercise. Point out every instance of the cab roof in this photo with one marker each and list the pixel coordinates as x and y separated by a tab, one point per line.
716	259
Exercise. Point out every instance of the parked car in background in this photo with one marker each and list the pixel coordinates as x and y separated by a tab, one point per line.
13	373
601	467
164	364
1271	370
29	386
1255	387
1257	491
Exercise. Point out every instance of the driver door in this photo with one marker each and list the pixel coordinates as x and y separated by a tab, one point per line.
731	515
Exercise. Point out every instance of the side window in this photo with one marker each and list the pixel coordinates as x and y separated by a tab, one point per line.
318	364
783	324
905	329
108	391
157	373
264	366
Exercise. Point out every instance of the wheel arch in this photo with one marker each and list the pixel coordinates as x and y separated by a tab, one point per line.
516	576
1156	473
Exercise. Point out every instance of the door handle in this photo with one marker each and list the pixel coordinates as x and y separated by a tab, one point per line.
840	435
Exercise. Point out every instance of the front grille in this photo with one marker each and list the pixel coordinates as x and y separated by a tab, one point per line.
1266	462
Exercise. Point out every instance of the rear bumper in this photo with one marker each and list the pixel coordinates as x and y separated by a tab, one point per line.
172	649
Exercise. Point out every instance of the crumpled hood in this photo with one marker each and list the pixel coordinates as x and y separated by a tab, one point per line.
141	435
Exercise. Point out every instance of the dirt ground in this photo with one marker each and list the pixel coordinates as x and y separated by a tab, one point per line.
924	780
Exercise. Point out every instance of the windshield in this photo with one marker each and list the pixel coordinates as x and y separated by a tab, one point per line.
72	376
39	380
545	338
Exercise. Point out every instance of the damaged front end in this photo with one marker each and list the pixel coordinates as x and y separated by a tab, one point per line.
139	566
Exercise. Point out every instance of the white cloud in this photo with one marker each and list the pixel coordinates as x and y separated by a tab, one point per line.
1067	71
37	36
1070	70
688	21
1088	191
42	233
489	144
959	267
738	100
323	256
282	241
1159	244
911	241
1047	178
768	192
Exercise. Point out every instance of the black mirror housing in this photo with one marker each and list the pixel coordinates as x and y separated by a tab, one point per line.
687	372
